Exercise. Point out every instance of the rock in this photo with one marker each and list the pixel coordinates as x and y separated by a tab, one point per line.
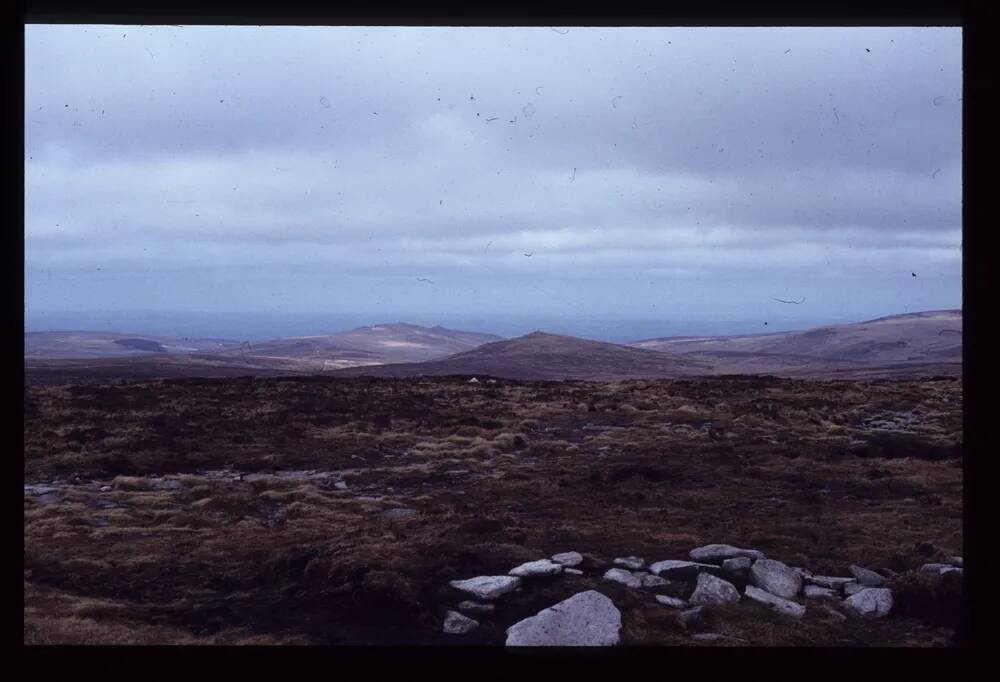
573	571
828	581
37	490
776	578
779	604
737	565
691	615
683	570
631	562
870	602
622	576
473	380
712	590
853	588
954	561
653	581
719	553
568	558
340	485
487	587
585	619
165	484
457	624
866	577
470	606
540	567
49	498
817	592
940	569
672	602
399	513
106	488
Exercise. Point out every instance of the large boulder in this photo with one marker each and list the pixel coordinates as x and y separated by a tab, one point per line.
866	577
487	587
719	553
620	575
779	604
568	558
776	578
585	619
540	567
683	570
871	602
712	590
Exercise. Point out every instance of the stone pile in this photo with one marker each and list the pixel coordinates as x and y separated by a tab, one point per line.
714	575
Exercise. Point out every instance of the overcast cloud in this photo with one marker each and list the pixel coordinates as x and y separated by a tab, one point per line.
411	172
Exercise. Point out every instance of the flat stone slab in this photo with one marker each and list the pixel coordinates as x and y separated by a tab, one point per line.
737	564
585	619
870	602
866	577
829	582
779	604
713	590
672	602
719	553
488	587
817	592
540	567
620	575
568	558
631	562
683	570
457	624
776	578
572	571
470	606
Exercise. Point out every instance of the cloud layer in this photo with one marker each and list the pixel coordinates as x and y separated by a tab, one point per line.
602	172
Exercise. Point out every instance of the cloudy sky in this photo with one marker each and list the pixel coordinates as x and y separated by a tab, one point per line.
459	174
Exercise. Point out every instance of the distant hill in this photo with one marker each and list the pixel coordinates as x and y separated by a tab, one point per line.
924	338
546	356
79	344
379	344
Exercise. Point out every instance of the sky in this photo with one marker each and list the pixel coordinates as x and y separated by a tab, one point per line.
503	179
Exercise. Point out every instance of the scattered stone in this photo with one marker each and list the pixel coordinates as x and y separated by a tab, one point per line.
399	513
487	587
585	619
654	581
630	562
817	592
713	590
470	606
473	380
683	570
622	576
573	571
457	624
776	578
853	588
106	488
540	567
568	558
870	602
737	564
954	561
340	485
779	604
719	553
673	602
866	577
829	582
690	615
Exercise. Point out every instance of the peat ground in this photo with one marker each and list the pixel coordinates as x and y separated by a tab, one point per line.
251	510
